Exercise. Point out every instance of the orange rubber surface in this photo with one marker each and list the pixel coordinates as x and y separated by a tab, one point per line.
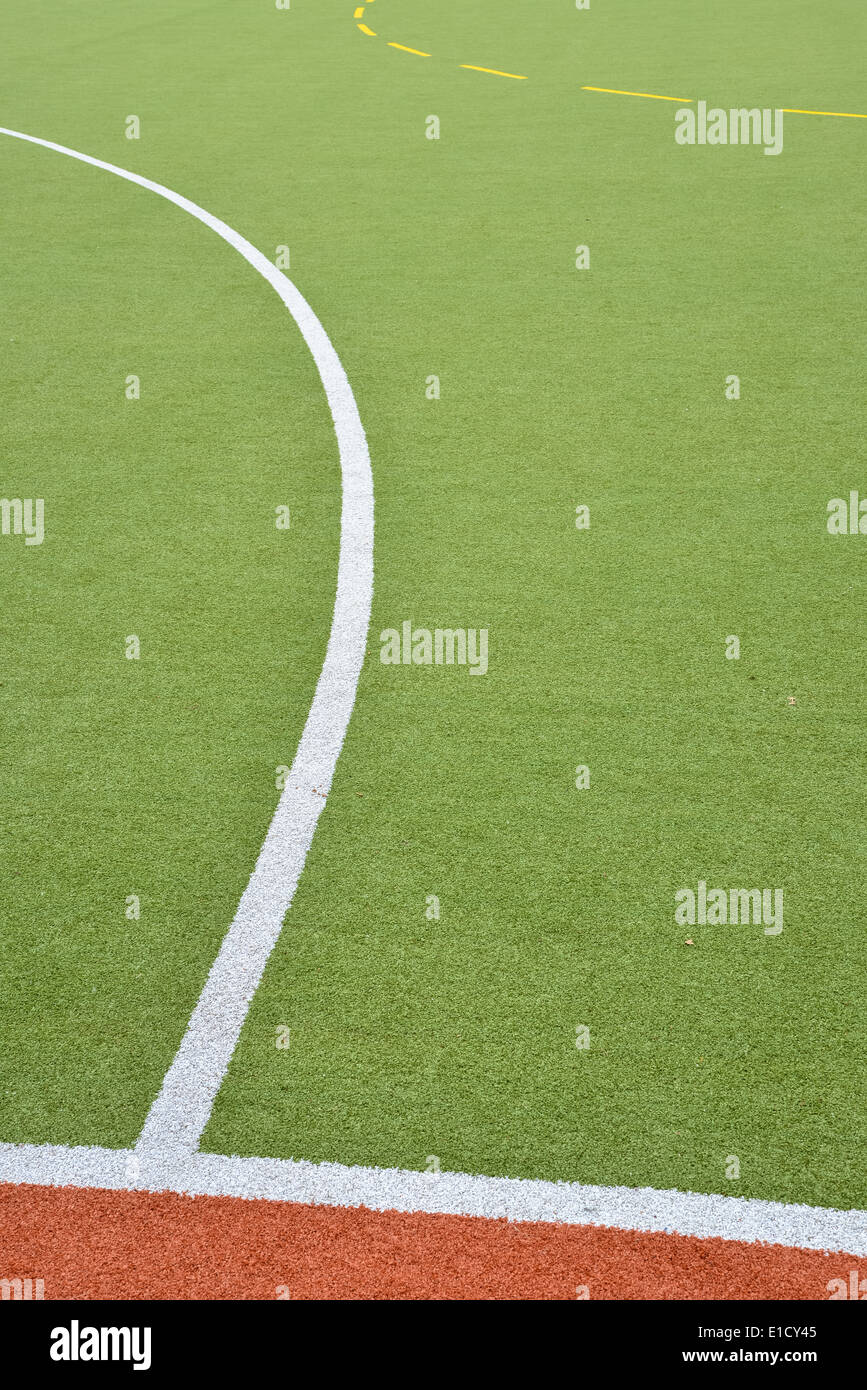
94	1244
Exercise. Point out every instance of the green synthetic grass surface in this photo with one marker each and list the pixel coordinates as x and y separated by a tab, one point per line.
455	1038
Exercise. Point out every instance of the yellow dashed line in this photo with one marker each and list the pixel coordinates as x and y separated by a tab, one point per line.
796	111
613	91
404	49
652	95
496	72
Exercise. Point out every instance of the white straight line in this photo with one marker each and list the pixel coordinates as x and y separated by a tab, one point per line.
181	1110
457	1194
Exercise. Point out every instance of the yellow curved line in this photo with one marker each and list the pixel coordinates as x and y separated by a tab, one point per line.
409	50
364	29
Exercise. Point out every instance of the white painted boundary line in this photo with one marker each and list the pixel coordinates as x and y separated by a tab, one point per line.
456	1194
180	1112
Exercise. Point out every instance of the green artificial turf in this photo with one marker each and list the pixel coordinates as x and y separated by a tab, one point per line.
454	1038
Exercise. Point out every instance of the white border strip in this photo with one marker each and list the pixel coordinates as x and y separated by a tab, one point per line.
181	1110
456	1194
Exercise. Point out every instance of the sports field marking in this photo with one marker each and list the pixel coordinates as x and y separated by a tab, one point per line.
456	1194
652	96
788	110
409	50
181	1110
495	72
798	111
614	91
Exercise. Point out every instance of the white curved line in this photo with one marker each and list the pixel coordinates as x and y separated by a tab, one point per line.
181	1110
